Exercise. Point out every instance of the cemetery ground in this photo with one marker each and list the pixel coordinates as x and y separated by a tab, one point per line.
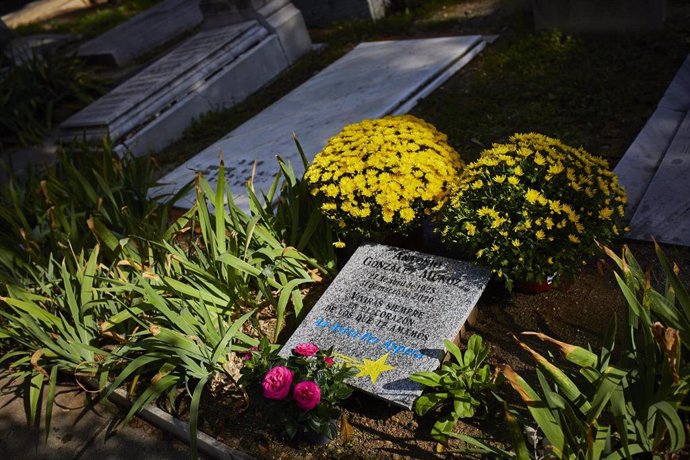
595	91
578	311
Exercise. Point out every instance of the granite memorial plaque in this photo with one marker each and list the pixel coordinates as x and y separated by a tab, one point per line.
387	314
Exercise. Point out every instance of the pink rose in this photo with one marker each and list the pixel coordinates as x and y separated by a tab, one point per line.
276	383
328	360
306	349
307	395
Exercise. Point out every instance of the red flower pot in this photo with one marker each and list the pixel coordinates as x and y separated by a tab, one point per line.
534	287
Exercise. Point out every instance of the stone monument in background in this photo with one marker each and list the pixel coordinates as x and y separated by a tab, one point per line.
143	33
280	17
241	46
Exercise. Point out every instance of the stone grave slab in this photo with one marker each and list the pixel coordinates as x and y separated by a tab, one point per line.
373	80
287	23
664	211
213	69
387	314
656	167
159	24
640	162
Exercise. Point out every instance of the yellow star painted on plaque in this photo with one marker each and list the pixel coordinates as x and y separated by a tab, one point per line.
373	369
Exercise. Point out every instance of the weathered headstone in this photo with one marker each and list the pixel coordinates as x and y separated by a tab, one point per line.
216	68
318	13
286	22
143	33
373	80
387	314
280	17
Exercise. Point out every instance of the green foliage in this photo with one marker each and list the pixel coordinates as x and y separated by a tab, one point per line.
294	215
318	367
186	343
608	405
672	307
86	192
461	384
54	327
146	300
32	91
235	259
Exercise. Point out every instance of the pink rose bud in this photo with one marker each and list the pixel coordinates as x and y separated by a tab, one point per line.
276	383
306	349
328	360
248	355
307	395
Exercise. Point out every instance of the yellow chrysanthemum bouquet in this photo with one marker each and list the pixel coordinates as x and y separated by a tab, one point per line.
533	207
381	176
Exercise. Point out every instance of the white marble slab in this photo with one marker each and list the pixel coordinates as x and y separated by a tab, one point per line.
230	85
373	80
639	164
213	69
656	169
664	212
142	95
143	33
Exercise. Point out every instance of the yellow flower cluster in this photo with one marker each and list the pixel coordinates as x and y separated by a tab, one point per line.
534	206
383	174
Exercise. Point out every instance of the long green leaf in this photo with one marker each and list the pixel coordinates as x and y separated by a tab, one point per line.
516	437
680	291
540	412
610	379
50	399
673	423
284	298
35	387
194	416
150	394
228	336
219	211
